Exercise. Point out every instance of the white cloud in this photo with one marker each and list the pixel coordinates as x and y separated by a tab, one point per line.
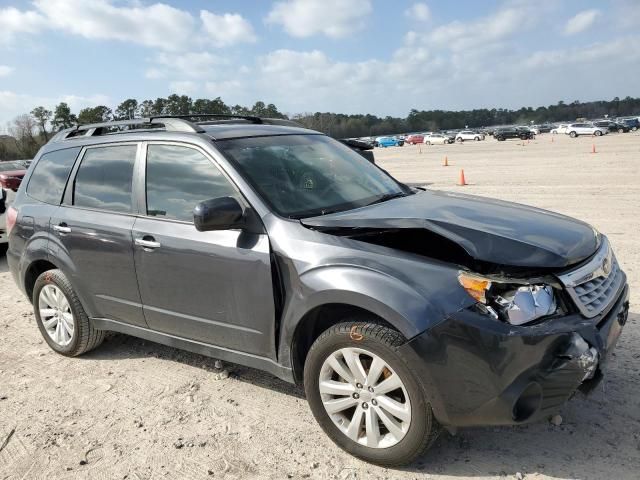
156	25
5	70
227	29
581	22
419	11
14	21
333	18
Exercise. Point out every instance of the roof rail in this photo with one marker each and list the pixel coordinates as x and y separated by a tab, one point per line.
222	116
170	123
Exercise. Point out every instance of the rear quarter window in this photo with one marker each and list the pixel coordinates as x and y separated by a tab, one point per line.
50	175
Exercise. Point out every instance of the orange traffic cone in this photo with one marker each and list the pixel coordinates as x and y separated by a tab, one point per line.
593	148
446	162
462	182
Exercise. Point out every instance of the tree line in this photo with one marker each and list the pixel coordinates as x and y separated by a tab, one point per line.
28	132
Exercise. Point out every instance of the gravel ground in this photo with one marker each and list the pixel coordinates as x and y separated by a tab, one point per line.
136	410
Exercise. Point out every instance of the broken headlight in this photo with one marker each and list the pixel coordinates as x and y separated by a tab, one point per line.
512	302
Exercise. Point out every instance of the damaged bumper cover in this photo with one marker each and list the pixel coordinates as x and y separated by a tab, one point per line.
478	371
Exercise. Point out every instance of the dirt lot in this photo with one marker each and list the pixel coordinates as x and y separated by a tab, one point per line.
137	410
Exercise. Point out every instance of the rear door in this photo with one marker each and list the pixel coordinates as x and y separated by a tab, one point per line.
91	232
212	287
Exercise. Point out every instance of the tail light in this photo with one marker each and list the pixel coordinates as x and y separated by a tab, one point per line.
12	216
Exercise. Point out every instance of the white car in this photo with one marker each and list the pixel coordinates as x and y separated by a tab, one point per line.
469	135
562	128
436	139
576	129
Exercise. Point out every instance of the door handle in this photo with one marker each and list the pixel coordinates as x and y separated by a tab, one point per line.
147	243
62	228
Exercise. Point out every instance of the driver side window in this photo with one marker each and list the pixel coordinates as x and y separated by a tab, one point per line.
178	178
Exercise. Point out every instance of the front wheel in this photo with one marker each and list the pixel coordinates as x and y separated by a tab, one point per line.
365	397
477	139
459	140
573	134
597	133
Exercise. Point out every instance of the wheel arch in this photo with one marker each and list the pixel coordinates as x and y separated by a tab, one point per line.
330	295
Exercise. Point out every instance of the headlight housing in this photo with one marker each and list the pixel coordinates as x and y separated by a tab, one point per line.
515	303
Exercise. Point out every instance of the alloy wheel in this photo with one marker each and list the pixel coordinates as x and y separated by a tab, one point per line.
365	398
56	315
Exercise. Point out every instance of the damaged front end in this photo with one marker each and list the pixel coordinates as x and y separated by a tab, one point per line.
480	372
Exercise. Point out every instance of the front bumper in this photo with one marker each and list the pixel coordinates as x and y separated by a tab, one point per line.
478	371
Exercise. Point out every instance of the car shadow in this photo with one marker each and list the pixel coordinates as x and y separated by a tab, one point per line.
609	416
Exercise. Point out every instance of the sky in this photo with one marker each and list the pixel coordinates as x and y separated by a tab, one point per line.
349	56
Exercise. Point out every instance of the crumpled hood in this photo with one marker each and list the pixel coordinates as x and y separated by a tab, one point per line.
488	230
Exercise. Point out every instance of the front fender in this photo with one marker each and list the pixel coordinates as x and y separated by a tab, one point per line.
389	298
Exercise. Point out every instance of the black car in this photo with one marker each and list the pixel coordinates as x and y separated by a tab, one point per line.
613	126
400	311
502	134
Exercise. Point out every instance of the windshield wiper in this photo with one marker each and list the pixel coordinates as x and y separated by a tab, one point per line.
386	197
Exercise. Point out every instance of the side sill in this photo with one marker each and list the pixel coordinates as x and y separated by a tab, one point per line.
225	354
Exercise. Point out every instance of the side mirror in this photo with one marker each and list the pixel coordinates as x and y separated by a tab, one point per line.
222	213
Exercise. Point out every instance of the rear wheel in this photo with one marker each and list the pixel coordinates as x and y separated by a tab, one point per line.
60	316
365	397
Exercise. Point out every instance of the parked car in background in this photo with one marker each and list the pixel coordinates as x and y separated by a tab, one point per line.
632	123
612	126
398	310
533	128
469	135
388	142
11	175
544	128
438	139
414	139
576	129
562	128
363	148
505	133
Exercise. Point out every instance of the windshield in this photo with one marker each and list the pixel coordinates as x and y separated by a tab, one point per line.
306	175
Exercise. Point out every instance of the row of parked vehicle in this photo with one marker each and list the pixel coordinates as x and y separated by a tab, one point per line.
502	133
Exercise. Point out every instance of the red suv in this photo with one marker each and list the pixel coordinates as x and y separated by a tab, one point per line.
414	139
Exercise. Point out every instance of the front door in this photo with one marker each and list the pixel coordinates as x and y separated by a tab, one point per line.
212	287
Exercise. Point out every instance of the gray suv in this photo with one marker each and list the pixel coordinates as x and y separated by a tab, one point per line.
400	310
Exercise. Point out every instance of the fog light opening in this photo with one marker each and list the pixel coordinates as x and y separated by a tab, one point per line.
528	403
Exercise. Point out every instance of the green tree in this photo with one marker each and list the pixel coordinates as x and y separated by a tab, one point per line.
42	117
97	114
178	105
127	110
62	117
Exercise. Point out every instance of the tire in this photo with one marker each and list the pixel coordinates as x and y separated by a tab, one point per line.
597	133
369	339
573	134
459	140
477	139
620	130
84	336
427	143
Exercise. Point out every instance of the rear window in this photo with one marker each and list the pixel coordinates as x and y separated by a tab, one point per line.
104	179
50	175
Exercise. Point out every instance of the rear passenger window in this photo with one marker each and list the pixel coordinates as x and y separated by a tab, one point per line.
105	177
50	175
178	178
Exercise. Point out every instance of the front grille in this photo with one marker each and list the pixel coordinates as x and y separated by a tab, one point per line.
593	286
